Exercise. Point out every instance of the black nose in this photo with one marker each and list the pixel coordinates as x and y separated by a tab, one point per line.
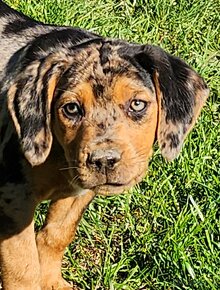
102	159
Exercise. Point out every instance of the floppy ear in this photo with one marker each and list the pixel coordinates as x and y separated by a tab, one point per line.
181	93
29	103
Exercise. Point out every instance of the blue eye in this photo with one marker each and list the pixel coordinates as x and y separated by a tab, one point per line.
137	106
72	110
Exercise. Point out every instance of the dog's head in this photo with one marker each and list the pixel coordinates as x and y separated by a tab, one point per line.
105	102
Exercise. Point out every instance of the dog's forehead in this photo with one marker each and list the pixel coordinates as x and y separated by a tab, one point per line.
102	65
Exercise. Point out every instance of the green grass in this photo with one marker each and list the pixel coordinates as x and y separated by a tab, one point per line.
164	233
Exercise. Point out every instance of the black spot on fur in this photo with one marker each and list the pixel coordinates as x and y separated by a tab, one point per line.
114	114
18	26
101	126
105	52
163	145
174	140
98	90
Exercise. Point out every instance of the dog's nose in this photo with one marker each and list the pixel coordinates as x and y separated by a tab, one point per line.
102	159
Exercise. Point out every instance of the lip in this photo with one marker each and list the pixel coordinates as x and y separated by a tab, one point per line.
110	189
116	184
116	188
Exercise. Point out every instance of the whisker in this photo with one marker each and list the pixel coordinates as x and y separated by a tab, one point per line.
74	179
67	168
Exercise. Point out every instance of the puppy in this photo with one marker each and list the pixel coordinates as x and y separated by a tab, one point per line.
79	114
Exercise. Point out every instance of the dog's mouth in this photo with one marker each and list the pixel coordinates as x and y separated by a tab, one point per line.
110	188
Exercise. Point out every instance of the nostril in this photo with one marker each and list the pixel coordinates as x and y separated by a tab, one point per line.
113	160
111	163
95	160
98	164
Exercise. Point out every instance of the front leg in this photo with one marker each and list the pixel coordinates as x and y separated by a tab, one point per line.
57	233
18	252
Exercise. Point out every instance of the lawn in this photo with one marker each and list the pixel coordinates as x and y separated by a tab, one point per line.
165	232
